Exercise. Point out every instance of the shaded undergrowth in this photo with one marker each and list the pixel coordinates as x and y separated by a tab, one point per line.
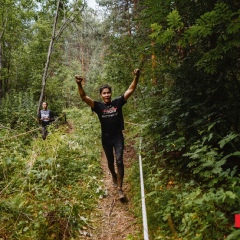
49	188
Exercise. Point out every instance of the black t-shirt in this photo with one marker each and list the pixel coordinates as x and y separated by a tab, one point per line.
110	115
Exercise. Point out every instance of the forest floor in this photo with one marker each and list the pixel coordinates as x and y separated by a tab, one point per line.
115	218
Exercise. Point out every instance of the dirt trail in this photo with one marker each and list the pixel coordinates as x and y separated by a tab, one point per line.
116	221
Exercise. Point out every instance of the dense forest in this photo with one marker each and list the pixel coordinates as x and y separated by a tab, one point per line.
186	109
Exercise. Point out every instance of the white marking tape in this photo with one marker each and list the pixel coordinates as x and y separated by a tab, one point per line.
144	211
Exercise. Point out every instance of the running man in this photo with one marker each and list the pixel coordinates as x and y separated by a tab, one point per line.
112	124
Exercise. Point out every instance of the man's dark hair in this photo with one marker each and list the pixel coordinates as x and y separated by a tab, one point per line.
105	86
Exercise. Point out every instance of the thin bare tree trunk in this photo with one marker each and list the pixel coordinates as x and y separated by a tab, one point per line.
44	77
1	80
54	39
1	55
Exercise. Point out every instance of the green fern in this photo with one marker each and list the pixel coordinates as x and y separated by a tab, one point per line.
174	20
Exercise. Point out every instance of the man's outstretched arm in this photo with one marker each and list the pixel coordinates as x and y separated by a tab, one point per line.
82	93
133	85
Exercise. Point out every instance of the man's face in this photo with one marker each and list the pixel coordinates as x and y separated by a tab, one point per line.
44	106
106	95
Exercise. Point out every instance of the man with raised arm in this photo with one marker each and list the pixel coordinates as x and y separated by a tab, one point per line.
112	124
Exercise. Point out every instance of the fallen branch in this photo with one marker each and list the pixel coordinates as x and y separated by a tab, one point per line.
21	134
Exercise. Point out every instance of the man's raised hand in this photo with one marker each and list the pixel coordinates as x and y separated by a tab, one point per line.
137	72
78	78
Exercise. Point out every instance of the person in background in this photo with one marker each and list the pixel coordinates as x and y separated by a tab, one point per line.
112	124
45	117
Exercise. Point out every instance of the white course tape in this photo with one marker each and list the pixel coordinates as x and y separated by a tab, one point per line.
144	212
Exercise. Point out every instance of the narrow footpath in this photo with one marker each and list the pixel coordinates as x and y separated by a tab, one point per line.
116	221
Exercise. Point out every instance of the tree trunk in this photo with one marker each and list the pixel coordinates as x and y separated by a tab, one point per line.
1	80
44	77
1	58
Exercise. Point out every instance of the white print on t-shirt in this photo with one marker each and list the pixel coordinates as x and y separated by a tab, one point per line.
109	112
45	115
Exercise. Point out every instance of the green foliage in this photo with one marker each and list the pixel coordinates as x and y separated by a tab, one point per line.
18	111
174	23
49	191
187	98
174	20
191	141
234	235
216	27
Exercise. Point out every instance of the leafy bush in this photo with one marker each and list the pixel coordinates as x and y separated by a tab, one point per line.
49	191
